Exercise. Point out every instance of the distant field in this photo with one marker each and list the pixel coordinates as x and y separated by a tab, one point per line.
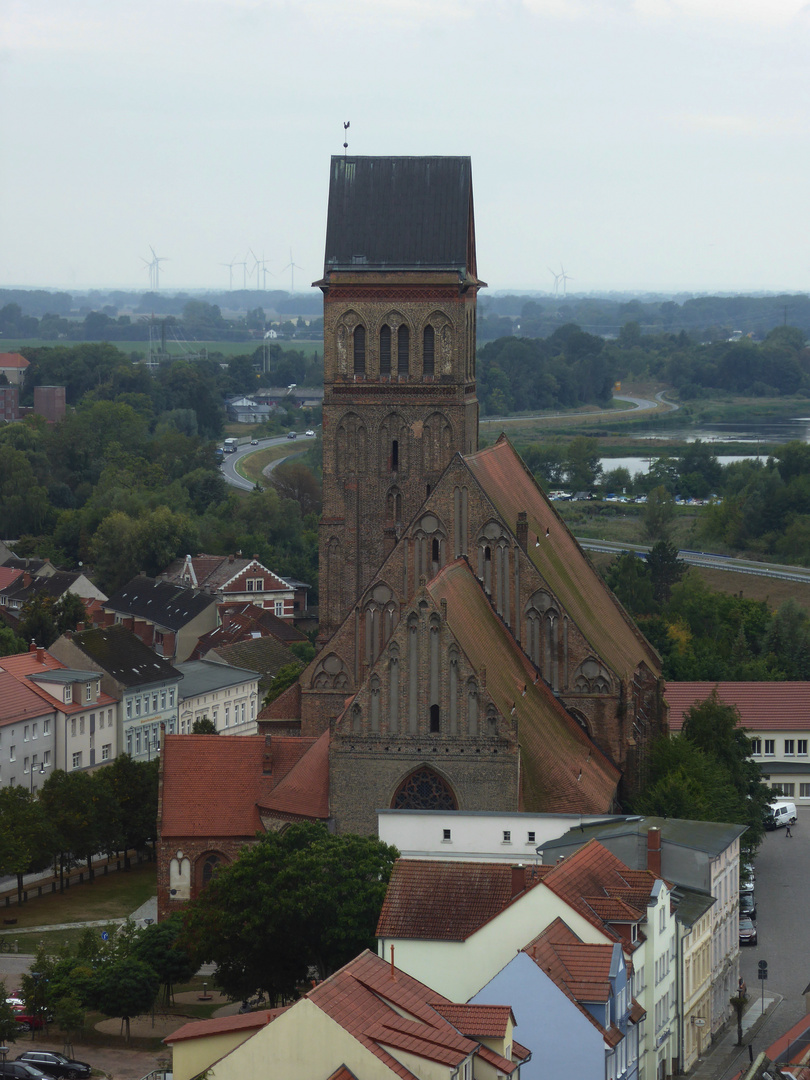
227	348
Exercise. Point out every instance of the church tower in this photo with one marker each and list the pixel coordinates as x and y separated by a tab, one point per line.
400	286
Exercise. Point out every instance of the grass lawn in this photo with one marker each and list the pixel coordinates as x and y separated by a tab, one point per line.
251	465
112	897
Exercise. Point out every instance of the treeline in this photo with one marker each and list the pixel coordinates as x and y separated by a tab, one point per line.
189	317
567	369
129	480
706	635
200	385
76	816
702	318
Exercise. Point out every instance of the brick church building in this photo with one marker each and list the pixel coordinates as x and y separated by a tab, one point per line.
472	658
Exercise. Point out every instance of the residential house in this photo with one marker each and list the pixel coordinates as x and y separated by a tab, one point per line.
14	367
236	579
228	696
701	856
251	784
246	622
169	618
27	732
368	1020
246	410
22	586
144	684
463	922
83	734
776	718
573	1006
266	656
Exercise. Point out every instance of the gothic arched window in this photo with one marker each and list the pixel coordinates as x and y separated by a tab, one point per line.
360	350
403	350
424	790
208	868
385	350
428	351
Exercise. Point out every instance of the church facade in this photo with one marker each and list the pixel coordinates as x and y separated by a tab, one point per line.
471	656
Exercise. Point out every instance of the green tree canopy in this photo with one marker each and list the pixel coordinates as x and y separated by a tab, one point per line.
304	898
160	946
125	988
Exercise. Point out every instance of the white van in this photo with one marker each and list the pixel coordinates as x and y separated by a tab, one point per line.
782	813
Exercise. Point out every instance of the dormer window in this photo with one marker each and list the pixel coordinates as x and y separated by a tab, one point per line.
634	931
67	694
88	692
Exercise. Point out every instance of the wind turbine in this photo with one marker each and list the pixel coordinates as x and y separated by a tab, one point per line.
292	266
556	281
243	264
565	279
156	261
230	266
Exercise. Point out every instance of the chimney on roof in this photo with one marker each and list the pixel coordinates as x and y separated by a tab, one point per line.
33	646
518	880
26	579
256	557
654	851
522	530
40	655
230	558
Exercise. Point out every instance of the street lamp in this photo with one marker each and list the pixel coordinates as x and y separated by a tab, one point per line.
42	769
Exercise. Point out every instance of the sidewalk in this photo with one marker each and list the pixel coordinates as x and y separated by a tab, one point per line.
724	1055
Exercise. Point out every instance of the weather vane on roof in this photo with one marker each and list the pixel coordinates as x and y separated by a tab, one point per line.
346	124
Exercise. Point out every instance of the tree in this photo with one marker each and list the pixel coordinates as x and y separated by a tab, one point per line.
69	611
658	514
203	726
291	901
10	643
582	463
160	946
38	621
629	577
68	803
125	988
292	480
286	675
26	840
666	569
133	787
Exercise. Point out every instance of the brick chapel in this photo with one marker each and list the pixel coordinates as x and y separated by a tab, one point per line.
471	656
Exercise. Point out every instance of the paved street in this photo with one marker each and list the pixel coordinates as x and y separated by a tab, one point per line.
783	931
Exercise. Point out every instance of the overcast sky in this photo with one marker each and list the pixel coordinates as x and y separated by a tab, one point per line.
656	144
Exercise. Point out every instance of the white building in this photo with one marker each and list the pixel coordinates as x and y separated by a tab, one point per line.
228	696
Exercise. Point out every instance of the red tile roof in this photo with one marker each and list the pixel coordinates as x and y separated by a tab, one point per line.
8	575
580	969
560	560
304	790
286	706
19	701
12	360
762	706
368	1000
212	785
222	1024
562	770
478	1021
588	879
443	901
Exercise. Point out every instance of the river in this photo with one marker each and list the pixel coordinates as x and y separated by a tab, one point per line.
775	431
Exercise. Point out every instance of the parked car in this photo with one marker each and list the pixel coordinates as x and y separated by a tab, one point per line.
292	435
54	1064
748	906
22	1070
310	433
746	886
748	932
26	1019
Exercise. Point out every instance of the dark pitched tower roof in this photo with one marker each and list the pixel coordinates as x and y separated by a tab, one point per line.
400	213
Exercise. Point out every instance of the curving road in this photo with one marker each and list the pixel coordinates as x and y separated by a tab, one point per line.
228	466
636	404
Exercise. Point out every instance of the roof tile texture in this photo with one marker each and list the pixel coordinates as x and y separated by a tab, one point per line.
763	706
562	769
443	901
560	560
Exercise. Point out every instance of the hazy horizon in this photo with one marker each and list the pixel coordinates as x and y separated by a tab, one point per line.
645	146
